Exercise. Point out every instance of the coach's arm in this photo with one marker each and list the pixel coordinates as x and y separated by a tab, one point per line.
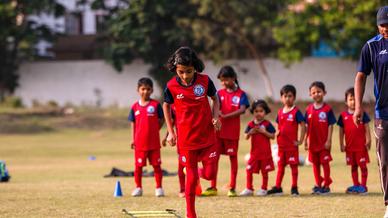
359	89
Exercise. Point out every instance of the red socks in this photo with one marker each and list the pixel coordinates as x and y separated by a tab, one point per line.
364	175
191	184
233	171
326	174
280	175
355	175
294	175
264	185
249	180
138	174
158	174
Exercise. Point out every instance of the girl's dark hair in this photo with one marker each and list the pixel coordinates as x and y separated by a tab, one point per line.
228	72
145	81
318	84
349	92
288	88
260	103
187	57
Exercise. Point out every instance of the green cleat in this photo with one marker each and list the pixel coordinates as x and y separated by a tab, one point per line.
209	192
232	193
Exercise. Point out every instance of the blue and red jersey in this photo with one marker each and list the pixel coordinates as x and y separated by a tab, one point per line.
230	102
193	113
288	123
355	138
260	144
146	120
318	122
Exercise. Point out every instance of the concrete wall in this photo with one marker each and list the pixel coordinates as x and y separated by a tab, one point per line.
77	81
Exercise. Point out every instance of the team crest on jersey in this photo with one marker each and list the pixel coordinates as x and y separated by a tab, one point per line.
150	109
322	116
183	159
137	112
235	100
199	90
290	117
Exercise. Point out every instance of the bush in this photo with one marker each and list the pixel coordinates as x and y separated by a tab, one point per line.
12	102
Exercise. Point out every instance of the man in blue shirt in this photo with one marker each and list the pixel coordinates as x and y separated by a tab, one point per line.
374	56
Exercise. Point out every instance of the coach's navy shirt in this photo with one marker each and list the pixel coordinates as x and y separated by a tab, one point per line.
374	56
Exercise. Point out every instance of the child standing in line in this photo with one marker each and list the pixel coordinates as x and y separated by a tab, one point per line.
196	121
320	119
357	143
260	131
146	118
233	102
289	120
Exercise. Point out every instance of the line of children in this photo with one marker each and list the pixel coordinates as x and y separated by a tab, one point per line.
206	130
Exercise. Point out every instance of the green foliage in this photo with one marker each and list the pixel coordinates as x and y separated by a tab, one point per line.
12	102
18	35
344	25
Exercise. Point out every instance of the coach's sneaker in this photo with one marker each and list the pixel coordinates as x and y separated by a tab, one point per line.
386	212
137	192
351	189
275	191
232	193
209	192
261	192
294	191
246	192
316	190
159	192
325	191
362	190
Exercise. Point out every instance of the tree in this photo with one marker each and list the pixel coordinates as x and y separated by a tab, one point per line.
18	35
344	25
236	29
144	29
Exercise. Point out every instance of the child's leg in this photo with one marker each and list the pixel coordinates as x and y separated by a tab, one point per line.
233	171
317	174
249	179
213	182
191	183
264	185
158	174
280	174
181	176
294	175
326	174
364	175
354	168
138	174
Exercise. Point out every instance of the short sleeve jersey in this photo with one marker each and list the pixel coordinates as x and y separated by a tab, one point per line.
146	120
260	144
288	123
374	56
318	121
192	110
355	137
230	102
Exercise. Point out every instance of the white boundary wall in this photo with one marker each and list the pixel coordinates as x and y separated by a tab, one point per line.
76	81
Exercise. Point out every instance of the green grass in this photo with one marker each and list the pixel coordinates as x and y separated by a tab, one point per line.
52	177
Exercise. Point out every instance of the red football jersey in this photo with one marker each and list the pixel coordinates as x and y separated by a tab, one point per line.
355	137
230	102
146	119
192	110
318	121
288	124
260	144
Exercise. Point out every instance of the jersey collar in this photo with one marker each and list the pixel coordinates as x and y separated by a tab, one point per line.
192	82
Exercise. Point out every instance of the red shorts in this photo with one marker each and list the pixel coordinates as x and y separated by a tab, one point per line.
359	158
152	155
319	157
288	157
227	146
265	165
207	155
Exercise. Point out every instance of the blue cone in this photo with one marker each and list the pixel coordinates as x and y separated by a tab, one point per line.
118	192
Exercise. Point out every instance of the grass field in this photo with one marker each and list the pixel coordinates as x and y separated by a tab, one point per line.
53	177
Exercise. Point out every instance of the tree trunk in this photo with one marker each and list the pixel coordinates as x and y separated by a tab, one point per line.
259	60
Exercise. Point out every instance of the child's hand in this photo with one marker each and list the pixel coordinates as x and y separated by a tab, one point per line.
171	139
132	145
217	124
297	143
306	146
261	130
222	115
328	145
253	131
342	147
367	144
164	142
